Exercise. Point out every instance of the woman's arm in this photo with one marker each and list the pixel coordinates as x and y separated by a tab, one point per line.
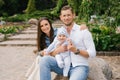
83	27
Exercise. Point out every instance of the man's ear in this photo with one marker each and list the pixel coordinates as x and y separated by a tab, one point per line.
74	15
60	17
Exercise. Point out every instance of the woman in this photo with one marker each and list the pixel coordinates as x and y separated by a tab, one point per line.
45	36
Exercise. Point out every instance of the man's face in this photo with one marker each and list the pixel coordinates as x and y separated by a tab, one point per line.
67	17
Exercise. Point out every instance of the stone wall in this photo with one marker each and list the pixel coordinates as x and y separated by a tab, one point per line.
99	70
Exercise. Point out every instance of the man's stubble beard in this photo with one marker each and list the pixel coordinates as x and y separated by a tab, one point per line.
69	24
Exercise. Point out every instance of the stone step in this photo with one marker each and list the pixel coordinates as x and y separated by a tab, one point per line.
57	25
23	37
18	43
31	28
29	32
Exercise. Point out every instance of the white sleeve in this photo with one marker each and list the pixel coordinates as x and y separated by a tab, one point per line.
89	43
51	47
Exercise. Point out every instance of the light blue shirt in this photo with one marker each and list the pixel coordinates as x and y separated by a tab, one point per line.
47	39
83	40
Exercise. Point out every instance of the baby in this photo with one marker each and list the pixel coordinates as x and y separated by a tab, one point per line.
63	59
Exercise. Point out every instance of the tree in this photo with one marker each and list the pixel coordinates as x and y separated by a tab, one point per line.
114	10
75	4
45	4
56	10
11	7
30	7
1	3
85	10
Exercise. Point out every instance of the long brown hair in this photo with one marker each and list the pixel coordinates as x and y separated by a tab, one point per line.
41	35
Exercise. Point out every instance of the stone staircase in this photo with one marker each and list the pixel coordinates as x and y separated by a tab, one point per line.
25	38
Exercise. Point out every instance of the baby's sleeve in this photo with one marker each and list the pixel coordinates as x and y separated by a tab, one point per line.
51	47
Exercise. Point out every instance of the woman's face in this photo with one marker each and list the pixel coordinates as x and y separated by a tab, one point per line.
45	27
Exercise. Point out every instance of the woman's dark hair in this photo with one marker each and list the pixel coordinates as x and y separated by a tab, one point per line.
41	35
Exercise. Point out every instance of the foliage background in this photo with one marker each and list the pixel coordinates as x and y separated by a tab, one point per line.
104	14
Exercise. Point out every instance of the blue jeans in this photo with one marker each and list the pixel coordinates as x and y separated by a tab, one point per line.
48	64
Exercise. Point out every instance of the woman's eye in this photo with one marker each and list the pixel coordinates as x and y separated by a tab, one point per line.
46	24
41	25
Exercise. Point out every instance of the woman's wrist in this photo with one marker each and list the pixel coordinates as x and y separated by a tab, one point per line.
41	53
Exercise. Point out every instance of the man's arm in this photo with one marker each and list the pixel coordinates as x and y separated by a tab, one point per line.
58	50
72	48
89	44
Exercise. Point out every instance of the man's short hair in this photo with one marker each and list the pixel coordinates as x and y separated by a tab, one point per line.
67	7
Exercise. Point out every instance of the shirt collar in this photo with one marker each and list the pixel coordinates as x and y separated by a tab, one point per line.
75	26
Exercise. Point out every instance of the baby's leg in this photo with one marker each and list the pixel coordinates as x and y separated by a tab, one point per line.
59	61
66	66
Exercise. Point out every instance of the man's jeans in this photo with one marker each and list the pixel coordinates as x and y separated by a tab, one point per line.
48	64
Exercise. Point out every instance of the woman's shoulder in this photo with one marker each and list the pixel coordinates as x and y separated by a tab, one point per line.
55	29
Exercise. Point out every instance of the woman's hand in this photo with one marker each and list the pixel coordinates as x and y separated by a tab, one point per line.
83	27
42	53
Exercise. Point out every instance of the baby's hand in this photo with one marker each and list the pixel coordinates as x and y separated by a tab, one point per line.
69	41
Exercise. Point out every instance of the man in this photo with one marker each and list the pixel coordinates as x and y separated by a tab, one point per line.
80	46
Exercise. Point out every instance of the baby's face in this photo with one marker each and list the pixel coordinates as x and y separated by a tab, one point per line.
62	37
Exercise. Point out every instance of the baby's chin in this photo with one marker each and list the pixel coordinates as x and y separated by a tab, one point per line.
62	40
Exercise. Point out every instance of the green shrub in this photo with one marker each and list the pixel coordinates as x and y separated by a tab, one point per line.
16	18
26	17
7	30
105	38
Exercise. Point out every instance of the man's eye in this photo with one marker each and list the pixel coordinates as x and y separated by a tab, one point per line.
64	15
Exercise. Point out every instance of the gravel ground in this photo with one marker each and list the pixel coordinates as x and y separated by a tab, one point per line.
15	61
114	62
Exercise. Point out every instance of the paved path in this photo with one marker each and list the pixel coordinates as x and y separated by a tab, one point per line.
16	54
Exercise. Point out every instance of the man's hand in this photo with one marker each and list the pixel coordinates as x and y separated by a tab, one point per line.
71	46
59	49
